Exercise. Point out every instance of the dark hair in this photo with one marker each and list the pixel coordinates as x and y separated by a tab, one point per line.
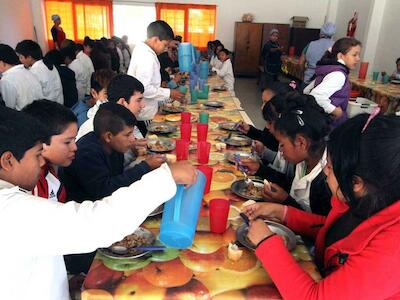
99	56
79	47
218	44
19	132
343	46
123	86
277	88
398	60
160	29
304	116
226	51
55	57
273	108
112	117
53	115
8	55
373	155
88	42
178	38
31	48
68	49
100	79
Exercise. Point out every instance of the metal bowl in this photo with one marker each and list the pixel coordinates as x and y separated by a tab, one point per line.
230	126
173	109
230	156
238	141
214	104
281	230
239	187
161	128
166	145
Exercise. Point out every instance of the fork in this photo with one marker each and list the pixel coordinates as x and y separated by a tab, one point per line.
242	169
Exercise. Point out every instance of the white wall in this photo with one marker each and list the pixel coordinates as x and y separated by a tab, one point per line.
15	22
388	49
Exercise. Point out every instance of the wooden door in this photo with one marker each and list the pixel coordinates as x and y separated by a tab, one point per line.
247	48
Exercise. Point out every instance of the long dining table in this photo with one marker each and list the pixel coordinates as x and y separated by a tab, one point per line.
204	270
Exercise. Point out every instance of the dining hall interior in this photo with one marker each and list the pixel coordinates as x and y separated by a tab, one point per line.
199	149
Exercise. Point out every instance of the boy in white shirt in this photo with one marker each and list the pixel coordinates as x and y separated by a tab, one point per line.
18	86
31	56
87	64
68	51
51	229
226	70
145	66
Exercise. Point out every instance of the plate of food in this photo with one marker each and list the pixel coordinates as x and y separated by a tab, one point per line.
237	140
214	104
126	248
252	190
161	128
177	118
288	236
230	156
161	145
230	126
218	119
173	109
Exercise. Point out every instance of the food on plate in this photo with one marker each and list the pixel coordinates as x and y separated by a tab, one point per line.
132	240
252	190
234	253
158	146
220	146
171	158
176	104
152	137
248	202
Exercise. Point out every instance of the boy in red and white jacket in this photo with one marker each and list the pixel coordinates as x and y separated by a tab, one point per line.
61	148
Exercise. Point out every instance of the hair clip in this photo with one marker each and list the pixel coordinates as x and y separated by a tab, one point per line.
300	120
373	114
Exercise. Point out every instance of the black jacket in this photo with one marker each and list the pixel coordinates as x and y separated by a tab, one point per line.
94	174
264	136
68	83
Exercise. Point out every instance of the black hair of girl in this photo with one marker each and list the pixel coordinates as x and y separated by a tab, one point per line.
372	155
226	51
302	115
343	46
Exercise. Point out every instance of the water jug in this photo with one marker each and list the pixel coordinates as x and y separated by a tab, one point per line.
181	213
203	73
186	57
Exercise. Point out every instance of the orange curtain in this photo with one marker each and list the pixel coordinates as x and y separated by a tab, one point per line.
195	23
80	18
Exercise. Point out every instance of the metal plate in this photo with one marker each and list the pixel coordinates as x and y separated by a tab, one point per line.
239	187
229	156
142	232
161	145
216	104
220	88
230	126
173	109
157	211
238	141
395	81
161	128
281	230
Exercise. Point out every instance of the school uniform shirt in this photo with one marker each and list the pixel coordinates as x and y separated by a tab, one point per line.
80	110
80	77
49	186
226	73
215	62
38	233
88	68
19	87
49	80
145	67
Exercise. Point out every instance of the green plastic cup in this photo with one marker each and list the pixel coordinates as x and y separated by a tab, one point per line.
386	79
183	89
203	117
193	96
375	76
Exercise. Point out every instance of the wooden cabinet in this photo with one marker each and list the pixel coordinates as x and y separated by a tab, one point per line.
248	38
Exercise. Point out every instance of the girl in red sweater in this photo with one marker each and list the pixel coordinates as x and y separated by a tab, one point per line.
358	243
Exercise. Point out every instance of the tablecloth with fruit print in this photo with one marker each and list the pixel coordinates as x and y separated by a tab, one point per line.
204	270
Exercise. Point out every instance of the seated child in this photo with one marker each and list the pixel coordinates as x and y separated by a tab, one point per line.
226	71
98	94
40	232
31	56
356	246
60	152
396	73
18	86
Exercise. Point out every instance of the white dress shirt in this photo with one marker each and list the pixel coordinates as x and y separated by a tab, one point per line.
145	67
215	62
88	68
226	73
36	233
19	87
322	93
80	77
49	80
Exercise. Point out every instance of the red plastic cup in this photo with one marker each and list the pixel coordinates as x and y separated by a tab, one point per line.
186	131
292	51
203	152
185	117
363	70
219	210
208	172
202	130
182	149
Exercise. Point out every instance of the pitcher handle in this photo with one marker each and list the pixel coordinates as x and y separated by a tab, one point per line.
178	203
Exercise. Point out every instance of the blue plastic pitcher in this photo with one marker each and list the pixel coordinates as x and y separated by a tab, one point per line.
203	73
185	57
181	214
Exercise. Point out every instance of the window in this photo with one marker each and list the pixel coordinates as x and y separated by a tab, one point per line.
80	18
195	23
132	20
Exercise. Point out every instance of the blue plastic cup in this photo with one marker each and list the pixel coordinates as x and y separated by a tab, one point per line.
172	84
181	213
